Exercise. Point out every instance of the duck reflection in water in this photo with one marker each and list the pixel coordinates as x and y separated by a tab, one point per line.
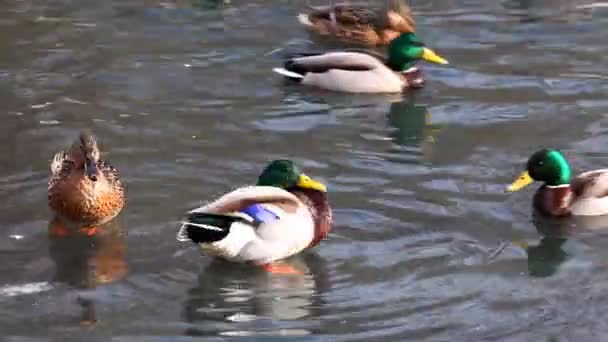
413	127
546	258
235	299
87	257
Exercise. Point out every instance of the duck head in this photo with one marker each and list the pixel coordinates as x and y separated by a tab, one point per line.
405	50
548	166
285	174
86	153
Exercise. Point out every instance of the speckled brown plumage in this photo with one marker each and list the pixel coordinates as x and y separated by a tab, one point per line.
318	204
363	25
75	197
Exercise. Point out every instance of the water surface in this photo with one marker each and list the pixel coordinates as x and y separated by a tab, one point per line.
185	106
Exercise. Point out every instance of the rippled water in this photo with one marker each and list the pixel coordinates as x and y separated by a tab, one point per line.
426	244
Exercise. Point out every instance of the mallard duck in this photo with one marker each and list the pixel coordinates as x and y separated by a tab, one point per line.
83	188
359	72
285	213
562	195
360	24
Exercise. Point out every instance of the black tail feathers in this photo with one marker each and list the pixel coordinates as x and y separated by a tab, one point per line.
207	228
292	66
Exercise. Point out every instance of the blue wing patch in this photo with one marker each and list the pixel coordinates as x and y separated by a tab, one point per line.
260	214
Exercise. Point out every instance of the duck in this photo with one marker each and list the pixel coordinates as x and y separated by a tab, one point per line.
562	195
360	24
84	189
363	72
285	213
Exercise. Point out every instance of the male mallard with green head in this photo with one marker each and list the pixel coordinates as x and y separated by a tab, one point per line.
285	213
83	188
360	24
359	72
560	194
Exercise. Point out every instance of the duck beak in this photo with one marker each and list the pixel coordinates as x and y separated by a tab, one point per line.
90	168
308	183
521	182
523	244
431	56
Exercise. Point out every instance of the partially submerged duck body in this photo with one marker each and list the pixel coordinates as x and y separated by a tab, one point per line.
83	188
284	214
561	194
360	24
358	72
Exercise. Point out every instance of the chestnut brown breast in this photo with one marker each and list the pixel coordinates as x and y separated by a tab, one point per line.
554	201
318	204
76	198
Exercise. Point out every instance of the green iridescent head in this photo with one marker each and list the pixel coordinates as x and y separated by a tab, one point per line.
285	174
548	166
405	50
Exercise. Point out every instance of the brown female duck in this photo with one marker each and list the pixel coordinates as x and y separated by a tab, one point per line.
359	24
83	188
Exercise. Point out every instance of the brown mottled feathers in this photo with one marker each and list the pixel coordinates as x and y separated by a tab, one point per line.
77	199
318	204
363	25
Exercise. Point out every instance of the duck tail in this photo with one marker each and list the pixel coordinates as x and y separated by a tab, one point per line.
206	227
304	19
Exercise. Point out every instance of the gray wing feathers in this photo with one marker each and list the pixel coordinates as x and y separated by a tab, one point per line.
338	60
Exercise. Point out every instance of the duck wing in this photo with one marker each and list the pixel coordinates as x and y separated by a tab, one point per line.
590	193
213	221
591	184
344	14
242	198
350	61
60	168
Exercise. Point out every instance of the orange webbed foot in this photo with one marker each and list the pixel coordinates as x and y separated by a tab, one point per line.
59	230
89	231
281	268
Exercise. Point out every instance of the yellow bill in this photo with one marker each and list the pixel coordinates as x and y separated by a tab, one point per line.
521	182
308	183
523	244
431	56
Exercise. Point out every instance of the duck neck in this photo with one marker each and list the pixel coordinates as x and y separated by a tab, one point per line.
318	205
554	200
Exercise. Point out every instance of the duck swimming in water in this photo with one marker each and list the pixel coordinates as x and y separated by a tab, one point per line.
83	188
285	213
360	72
360	24
561	194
